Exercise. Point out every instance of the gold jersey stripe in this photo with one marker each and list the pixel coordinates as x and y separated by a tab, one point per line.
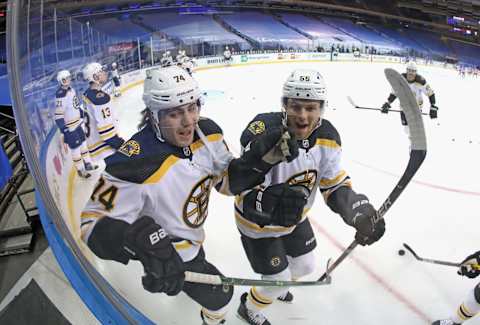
248	224
211	138
184	244
326	182
155	178
96	153
72	122
86	215
106	127
327	143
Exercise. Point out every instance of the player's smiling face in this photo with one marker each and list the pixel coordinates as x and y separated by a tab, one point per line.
178	124
303	116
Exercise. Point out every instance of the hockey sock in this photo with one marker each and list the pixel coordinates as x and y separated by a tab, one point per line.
212	317
470	306
261	297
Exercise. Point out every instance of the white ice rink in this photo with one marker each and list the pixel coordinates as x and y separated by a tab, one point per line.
437	214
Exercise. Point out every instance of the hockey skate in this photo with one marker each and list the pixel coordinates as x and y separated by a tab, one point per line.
287	298
90	167
249	316
83	173
444	322
205	323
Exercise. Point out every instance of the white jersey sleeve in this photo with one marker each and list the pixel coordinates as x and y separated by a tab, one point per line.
114	198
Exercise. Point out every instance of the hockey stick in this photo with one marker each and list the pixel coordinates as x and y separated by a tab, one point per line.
223	280
430	260
418	151
372	108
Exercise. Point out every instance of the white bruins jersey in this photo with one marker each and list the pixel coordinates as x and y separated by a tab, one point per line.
100	123
67	106
318	166
419	87
147	177
115	73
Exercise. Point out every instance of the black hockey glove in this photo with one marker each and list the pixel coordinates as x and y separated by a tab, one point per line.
433	111
386	107
368	231
264	152
272	147
279	205
163	267
470	266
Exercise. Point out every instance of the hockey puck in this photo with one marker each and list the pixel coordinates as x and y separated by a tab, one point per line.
401	252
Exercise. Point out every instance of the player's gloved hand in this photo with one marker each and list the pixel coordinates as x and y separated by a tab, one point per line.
279	204
433	111
385	107
260	155
272	147
470	266
368	231
164	269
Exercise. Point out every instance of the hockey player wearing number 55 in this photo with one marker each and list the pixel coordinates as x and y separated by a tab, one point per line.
419	87
101	120
152	200
471	305
69	117
276	235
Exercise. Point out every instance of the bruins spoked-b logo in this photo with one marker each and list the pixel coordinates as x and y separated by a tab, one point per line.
306	178
195	209
275	261
256	127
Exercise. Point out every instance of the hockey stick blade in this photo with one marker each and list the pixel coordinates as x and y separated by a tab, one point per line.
223	280
433	261
373	108
418	152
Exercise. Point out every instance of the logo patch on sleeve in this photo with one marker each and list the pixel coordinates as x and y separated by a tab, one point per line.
130	148
257	127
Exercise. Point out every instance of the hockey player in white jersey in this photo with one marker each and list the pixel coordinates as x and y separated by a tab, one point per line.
272	219
185	62
101	118
152	200
419	87
115	79
471	305
69	118
167	59
180	56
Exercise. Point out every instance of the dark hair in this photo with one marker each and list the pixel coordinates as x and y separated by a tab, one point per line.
146	117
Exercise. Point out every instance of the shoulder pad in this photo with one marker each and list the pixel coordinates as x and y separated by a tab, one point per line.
259	124
327	131
208	126
421	80
61	93
138	158
97	97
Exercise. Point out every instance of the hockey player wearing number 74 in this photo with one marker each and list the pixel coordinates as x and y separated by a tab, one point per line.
152	200
276	235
